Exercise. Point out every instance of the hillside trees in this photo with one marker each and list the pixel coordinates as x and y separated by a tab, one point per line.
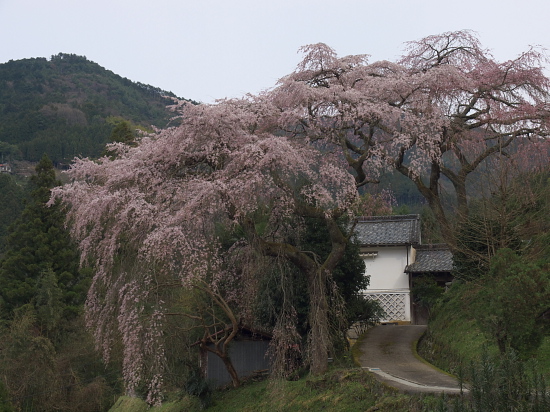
61	107
47	360
37	248
11	204
436	115
510	305
512	213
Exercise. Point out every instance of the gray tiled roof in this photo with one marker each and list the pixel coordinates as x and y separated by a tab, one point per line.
388	230
431	258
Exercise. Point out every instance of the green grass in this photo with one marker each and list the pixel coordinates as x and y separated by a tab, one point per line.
454	338
347	389
127	404
338	390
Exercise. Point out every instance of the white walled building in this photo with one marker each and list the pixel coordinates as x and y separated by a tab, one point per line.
388	247
5	168
394	256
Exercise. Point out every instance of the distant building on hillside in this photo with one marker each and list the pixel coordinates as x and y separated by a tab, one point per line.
5	168
394	256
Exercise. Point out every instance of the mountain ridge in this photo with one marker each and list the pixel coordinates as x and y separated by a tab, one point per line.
65	107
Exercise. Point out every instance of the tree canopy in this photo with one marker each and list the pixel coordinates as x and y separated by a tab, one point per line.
164	199
149	217
435	115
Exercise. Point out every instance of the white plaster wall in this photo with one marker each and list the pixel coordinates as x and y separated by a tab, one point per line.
386	270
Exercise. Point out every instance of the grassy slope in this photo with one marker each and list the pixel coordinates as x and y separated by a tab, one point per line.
339	390
453	337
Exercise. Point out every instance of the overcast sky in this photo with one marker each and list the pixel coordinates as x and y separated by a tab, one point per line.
210	49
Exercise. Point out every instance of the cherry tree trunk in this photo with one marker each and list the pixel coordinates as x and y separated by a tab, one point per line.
318	318
231	370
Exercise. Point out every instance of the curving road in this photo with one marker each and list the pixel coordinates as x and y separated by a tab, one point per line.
387	351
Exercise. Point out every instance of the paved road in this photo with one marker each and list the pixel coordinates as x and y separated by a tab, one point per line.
387	351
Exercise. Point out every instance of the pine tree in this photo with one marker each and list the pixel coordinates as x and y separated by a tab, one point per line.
11	204
39	252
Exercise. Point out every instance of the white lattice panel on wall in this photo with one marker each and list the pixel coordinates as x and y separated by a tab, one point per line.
394	304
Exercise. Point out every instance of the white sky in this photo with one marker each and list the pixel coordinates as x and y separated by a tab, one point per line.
210	49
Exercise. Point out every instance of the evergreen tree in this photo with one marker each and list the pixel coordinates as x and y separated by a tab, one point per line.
348	277
11	204
123	133
39	258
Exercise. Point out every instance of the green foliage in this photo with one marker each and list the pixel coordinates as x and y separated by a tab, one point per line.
426	292
514	294
27	361
49	301
128	404
455	338
363	314
338	390
8	152
43	180
506	383
37	246
42	377
46	359
349	275
199	387
530	197
407	197
349	278
60	107
499	383
431	232
123	133
11	203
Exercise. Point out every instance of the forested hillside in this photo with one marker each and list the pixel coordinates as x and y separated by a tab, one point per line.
67	106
